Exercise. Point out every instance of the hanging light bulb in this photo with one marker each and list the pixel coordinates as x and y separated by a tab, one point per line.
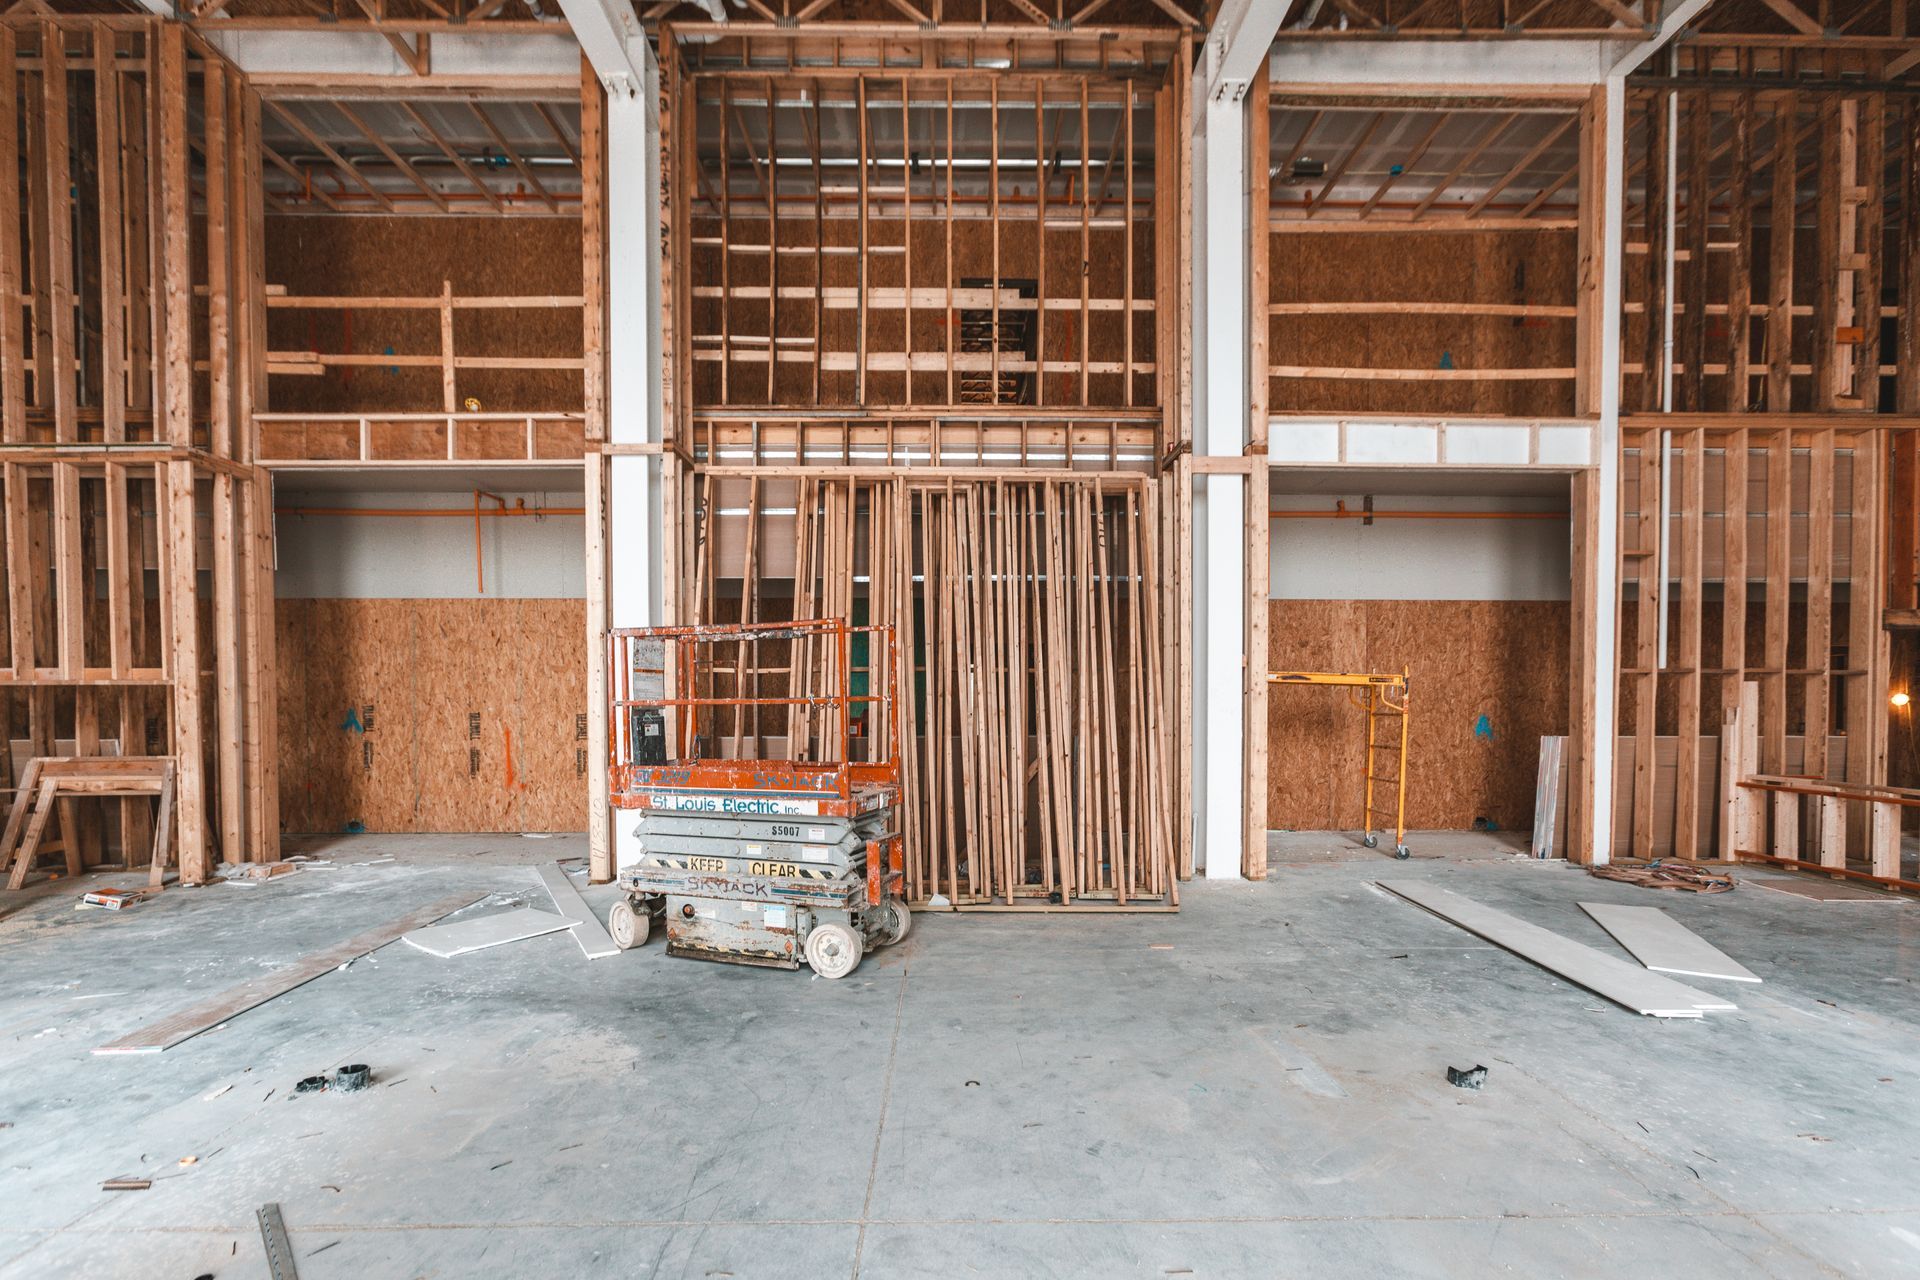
1900	699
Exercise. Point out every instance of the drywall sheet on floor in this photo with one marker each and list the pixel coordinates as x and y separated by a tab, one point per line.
449	940
1623	983
432	715
190	1022
592	936
1663	944
1489	678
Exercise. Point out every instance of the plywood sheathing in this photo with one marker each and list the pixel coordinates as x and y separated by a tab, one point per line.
1502	660
1528	269
432	715
321	256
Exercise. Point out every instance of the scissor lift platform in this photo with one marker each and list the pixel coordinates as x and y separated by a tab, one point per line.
752	861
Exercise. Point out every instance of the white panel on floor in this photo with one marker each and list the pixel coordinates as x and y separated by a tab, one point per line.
1662	943
1609	976
587	929
449	940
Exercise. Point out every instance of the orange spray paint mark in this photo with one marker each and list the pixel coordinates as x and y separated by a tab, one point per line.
508	734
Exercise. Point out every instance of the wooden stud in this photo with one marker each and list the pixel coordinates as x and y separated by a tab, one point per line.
1826	265
1780	253
1740	269
1779	560
60	321
1819	632
107	100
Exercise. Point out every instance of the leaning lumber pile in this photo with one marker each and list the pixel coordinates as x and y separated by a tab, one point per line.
1036	744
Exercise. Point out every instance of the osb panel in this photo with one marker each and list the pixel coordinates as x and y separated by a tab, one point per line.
1504	661
327	256
1530	267
432	715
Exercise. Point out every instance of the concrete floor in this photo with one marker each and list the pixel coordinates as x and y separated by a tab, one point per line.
1255	1087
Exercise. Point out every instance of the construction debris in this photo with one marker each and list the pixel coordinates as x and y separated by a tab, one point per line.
1472	1078
1662	874
111	899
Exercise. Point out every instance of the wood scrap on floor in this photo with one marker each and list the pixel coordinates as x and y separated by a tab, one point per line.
450	940
587	929
1624	984
1665	875
210	1013
1664	945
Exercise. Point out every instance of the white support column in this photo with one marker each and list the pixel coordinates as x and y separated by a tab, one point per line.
1237	49
636	541
1606	548
1606	604
1220	529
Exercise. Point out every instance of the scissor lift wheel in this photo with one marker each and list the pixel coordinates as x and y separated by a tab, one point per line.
899	921
629	925
833	950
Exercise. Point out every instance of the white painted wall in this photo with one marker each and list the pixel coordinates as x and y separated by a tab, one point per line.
1316	559
411	557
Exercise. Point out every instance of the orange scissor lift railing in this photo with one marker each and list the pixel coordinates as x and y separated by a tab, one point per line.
854	735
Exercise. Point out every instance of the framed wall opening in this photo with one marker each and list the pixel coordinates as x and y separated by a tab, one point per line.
1463	580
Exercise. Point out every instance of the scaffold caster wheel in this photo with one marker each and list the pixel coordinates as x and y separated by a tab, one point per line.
899	920
629	926
1401	852
833	950
1370	840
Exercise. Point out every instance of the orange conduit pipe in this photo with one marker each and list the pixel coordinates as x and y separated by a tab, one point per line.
408	512
1418	515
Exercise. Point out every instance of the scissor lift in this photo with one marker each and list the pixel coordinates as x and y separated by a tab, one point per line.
1386	699
751	860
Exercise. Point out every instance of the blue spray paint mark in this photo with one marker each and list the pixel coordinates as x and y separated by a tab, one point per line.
1446	360
352	723
1483	728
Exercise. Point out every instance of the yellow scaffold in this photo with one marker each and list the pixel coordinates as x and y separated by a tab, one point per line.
1382	697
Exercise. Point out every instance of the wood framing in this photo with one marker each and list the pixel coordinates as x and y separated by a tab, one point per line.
936	313
122	408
